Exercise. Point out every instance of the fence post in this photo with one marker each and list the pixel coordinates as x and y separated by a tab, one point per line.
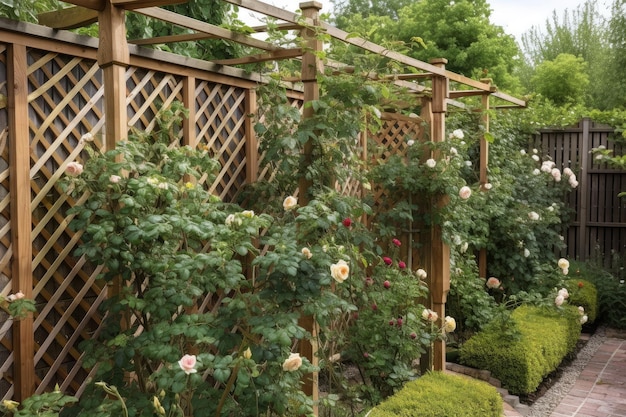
113	58
440	252
583	191
21	218
189	122
484	162
311	66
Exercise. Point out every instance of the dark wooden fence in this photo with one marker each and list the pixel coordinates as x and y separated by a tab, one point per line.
598	228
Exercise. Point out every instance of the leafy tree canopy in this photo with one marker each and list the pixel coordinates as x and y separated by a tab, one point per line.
582	33
460	32
563	81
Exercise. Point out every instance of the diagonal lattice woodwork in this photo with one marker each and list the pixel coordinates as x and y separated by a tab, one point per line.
65	102
220	126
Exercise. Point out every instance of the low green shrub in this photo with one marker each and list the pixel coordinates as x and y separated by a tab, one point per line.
539	340
440	394
583	293
611	292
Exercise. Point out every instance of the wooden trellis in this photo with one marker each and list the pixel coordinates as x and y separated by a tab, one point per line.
56	86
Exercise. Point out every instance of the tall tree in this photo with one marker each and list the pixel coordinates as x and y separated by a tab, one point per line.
581	32
615	94
459	31
343	9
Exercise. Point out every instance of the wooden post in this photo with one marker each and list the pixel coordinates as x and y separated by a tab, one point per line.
426	359
252	146
113	58
311	66
189	123
21	221
484	162
440	252
583	191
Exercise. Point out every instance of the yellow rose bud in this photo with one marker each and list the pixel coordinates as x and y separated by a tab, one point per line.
10	405
247	353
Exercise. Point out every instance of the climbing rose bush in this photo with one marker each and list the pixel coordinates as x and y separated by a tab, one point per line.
185	320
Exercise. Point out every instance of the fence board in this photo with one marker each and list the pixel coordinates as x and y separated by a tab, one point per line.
598	227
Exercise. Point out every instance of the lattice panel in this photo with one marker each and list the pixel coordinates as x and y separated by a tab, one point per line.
65	102
392	139
220	127
6	344
148	92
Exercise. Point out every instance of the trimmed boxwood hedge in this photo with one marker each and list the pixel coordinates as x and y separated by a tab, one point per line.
439	394
583	293
544	337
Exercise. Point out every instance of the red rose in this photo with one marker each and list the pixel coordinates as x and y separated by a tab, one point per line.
401	265
396	242
347	222
387	284
399	321
387	260
580	284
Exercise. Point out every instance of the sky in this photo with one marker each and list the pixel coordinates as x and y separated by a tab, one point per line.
515	16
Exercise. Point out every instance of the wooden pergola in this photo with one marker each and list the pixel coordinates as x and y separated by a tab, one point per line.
113	58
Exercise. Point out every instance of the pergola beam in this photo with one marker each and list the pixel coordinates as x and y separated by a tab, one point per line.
199	26
140	4
269	56
68	18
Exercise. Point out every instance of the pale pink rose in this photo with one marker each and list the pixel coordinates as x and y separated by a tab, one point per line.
188	364
558	300
533	215
74	169
431	163
421	274
581	310
292	363
564	293
556	174
493	282
584	319
465	192
114	179
17	296
567	171
563	263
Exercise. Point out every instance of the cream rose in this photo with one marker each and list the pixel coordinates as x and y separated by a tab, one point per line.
449	324
290	203
292	363
340	271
